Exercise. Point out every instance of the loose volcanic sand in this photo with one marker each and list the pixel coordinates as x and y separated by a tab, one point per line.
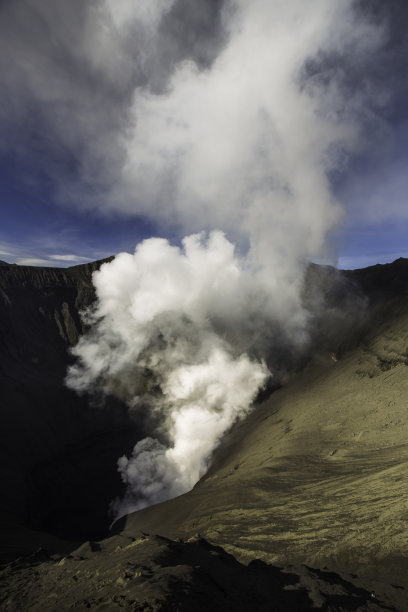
318	474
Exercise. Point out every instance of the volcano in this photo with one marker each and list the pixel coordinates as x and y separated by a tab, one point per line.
304	505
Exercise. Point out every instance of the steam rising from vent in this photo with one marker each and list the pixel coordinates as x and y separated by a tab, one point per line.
201	401
165	337
243	142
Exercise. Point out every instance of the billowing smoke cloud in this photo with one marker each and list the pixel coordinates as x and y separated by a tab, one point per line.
241	141
201	402
163	339
68	75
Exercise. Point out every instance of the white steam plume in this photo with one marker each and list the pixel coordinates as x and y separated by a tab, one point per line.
245	145
163	339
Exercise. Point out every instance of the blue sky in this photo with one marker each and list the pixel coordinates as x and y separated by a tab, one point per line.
35	230
69	81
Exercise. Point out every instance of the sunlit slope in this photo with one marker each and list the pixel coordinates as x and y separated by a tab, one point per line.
318	473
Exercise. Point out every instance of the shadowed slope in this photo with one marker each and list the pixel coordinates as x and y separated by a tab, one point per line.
54	444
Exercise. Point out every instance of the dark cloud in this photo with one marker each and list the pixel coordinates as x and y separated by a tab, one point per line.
68	74
389	69
189	31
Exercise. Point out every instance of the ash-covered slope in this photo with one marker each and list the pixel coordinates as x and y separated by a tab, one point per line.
318	473
53	443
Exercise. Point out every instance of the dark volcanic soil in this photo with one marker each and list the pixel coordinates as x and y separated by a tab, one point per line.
155	573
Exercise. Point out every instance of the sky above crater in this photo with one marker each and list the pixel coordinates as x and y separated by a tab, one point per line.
124	119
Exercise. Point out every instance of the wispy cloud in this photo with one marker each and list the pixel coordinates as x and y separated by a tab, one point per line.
31	261
33	254
69	257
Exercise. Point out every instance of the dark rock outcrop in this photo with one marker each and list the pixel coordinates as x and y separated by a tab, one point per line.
155	573
58	453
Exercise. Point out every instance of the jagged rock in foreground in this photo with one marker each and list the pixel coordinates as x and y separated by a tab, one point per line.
316	476
155	573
